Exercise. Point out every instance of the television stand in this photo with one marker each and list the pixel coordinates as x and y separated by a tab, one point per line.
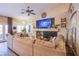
40	32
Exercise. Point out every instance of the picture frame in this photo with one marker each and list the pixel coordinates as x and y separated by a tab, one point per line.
63	25
63	19
63	22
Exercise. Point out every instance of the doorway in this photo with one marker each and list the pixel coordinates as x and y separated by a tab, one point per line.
3	32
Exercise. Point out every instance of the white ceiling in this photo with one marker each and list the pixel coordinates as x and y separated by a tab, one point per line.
14	9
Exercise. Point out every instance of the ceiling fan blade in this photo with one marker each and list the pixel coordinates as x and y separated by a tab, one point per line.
31	10
33	13
27	11
23	9
28	14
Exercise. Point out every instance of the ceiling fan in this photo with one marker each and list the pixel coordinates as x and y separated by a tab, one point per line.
28	11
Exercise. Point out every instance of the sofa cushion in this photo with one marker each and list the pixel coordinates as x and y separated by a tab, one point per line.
44	43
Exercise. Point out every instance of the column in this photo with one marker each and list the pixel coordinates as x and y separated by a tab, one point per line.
10	25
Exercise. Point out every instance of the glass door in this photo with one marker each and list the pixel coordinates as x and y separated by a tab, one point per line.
1	32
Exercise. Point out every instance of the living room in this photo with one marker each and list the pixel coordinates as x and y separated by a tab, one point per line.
40	29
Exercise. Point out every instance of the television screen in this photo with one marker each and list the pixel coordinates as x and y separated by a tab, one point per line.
45	23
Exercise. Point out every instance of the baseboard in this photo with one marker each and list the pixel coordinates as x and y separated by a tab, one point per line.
14	52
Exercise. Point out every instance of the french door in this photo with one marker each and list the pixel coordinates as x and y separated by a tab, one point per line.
3	32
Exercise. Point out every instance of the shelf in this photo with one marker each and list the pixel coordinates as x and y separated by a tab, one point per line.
63	22
46	29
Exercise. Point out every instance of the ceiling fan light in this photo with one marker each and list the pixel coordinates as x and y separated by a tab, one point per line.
33	13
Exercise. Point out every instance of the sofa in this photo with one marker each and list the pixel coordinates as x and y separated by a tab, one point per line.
46	48
26	46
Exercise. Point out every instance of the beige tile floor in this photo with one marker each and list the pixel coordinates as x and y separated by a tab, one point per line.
4	51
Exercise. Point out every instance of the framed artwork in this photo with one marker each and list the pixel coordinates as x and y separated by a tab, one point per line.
63	22
63	25
63	19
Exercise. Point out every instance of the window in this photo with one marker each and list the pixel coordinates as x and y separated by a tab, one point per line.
1	27
21	27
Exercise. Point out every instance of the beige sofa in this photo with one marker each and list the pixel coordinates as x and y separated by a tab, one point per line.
36	47
46	48
23	47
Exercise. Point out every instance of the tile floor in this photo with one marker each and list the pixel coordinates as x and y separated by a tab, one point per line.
4	51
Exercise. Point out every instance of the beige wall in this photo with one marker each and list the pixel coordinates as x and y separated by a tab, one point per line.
3	20
57	12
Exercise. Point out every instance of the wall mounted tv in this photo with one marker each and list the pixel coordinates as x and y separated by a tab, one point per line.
45	23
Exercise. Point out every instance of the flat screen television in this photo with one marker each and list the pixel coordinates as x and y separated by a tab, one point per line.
44	23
